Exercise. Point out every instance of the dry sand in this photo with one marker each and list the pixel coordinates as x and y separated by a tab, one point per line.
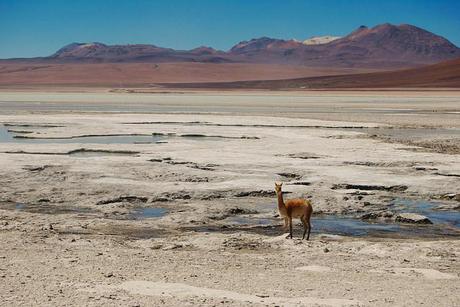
144	74
73	225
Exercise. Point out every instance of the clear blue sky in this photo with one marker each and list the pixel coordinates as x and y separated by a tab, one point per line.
40	27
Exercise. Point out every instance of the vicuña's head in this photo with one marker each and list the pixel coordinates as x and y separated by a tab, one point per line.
278	187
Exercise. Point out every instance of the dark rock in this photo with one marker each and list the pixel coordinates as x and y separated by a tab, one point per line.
290	175
36	169
369	216
178	162
196	179
412	218
300	183
211	196
159	199
386	214
346	186
360	193
171	196
304	156
236	210
451	196
447	174
129	199
156	160
207	167
259	193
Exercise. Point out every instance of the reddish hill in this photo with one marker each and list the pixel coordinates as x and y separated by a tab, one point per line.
101	53
392	44
441	75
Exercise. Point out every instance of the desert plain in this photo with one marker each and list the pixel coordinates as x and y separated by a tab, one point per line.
167	198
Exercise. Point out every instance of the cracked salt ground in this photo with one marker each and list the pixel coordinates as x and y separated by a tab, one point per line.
50	266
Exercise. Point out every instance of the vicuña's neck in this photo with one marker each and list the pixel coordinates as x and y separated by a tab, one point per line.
280	200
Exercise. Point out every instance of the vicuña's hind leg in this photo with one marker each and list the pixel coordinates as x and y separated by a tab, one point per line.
305	225
309	228
290	227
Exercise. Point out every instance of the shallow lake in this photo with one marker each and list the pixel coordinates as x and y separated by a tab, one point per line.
10	137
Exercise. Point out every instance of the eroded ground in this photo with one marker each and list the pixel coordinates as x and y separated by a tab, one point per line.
103	204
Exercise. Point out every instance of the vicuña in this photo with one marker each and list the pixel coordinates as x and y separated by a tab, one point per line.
294	208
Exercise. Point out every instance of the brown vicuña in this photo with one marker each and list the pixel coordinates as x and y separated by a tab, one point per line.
294	208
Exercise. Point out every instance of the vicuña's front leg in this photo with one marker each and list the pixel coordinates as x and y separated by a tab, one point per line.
286	223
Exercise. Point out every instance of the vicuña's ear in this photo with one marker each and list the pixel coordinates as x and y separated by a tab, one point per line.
281	184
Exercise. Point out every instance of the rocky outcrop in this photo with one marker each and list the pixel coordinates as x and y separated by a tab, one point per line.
412	218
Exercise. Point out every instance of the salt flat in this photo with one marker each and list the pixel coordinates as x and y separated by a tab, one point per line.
72	218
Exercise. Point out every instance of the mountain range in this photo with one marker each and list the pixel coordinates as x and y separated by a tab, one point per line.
383	46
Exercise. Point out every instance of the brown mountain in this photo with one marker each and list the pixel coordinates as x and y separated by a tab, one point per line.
385	45
389	44
442	75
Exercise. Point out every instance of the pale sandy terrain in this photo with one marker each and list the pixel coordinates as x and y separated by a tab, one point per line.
74	224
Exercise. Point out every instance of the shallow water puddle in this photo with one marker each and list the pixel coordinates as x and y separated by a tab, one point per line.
80	153
427	209
321	224
19	206
418	133
43	208
5	136
146	213
343	225
350	226
10	137
245	220
89	153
